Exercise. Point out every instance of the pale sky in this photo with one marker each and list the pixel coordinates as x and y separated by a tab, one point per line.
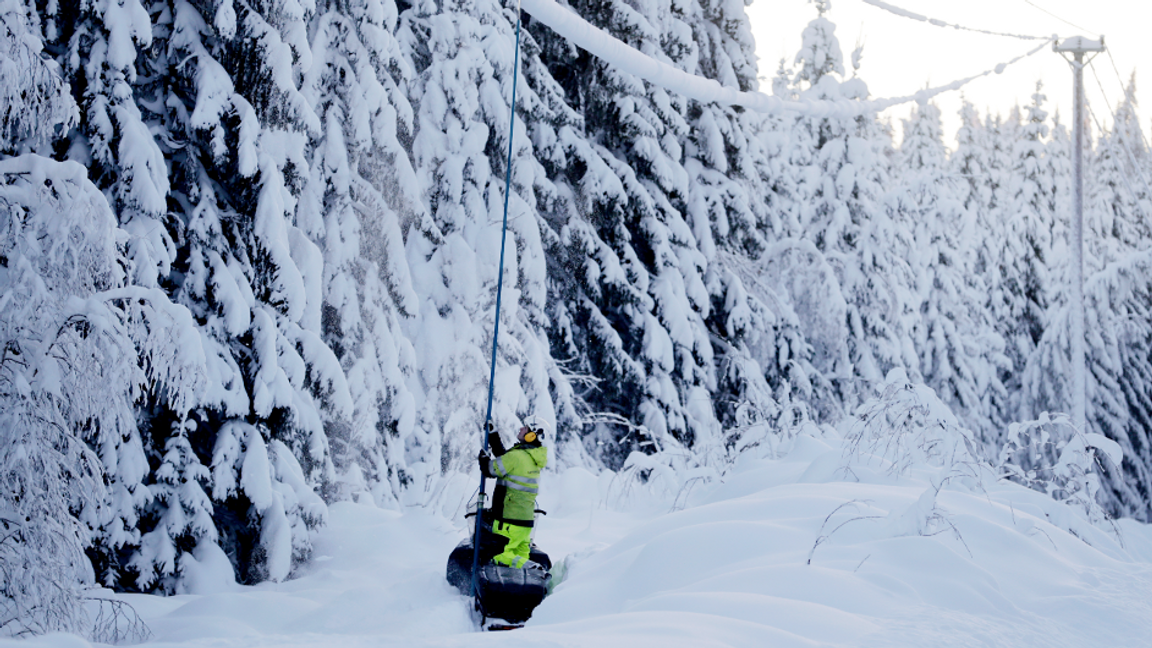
903	55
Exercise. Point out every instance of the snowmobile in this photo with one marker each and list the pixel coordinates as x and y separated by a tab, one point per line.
506	596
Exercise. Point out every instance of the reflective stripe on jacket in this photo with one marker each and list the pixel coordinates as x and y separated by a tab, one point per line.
518	478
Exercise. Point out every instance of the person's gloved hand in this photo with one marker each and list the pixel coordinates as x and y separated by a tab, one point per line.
494	442
484	460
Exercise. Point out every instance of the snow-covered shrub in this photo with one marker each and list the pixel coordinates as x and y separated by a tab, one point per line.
55	242
44	472
80	349
1050	455
666	476
922	517
34	101
907	427
908	432
764	428
768	431
77	348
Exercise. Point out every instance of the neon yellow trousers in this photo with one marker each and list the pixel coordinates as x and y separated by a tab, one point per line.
519	545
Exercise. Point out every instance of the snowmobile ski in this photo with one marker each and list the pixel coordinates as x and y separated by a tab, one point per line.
499	625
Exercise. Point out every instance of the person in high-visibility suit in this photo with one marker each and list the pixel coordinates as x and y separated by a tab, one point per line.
517	474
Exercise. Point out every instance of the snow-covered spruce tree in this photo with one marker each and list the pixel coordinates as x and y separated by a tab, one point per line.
99	42
81	348
972	162
1117	302
587	266
463	65
788	150
844	214
983	158
1019	283
639	315
742	181
724	155
984	155
571	175
585	270
1115	220
959	350
1057	169
360	186
235	130
1118	309
978	163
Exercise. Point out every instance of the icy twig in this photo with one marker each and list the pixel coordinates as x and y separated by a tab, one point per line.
117	623
823	537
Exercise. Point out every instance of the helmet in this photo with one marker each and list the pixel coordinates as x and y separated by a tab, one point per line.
538	428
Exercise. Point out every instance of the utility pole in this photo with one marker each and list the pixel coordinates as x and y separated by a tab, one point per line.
1078	46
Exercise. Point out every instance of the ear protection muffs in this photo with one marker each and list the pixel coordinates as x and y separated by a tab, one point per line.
534	429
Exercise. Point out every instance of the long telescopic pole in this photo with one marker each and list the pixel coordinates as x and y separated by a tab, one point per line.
496	326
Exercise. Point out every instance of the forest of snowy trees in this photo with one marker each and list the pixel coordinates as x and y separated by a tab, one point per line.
248	266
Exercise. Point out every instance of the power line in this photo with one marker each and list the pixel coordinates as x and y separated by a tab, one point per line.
626	58
1072	24
904	13
928	93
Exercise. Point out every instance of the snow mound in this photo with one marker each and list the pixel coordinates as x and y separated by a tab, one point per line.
796	553
830	545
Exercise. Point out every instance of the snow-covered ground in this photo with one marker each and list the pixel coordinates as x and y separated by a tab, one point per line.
789	552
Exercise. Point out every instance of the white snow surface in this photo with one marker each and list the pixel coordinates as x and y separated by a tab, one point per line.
729	569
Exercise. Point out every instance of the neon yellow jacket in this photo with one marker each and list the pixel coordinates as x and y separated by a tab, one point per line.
517	482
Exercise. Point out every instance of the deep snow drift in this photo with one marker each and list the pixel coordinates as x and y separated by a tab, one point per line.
807	550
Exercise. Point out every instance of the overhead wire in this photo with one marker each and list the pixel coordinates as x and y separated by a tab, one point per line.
1123	141
904	13
1071	24
626	58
